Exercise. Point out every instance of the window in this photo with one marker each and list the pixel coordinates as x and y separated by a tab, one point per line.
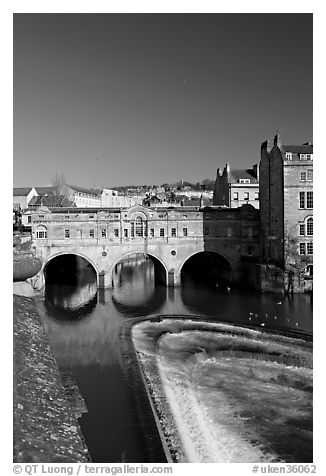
103	233
301	199
301	229
29	219
91	233
309	199
116	232
310	226
229	232
310	270
309	248
139	226
185	231
309	175
41	216
249	231
67	233
244	180
235	196
302	249
288	155
256	195
303	176
152	233
309	157
161	232
173	232
302	156
246	196
41	234
132	229
125	233
90	216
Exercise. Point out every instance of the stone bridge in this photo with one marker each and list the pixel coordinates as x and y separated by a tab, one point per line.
169	236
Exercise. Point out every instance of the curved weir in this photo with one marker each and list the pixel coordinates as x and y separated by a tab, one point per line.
228	394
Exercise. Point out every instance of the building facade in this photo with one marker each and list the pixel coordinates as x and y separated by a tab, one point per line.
170	236
286	205
236	187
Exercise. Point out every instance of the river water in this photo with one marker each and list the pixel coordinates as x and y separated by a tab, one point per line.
84	325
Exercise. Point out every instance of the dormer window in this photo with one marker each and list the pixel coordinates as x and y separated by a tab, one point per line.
288	155
242	180
309	156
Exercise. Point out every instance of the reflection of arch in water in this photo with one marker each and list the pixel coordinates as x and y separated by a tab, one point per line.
70	302
207	267
151	306
160	270
70	268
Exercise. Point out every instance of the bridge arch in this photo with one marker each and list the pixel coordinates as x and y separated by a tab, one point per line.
161	271
56	256
207	266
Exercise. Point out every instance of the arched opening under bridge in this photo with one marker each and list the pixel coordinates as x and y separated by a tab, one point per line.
207	268
69	269
137	265
70	286
139	284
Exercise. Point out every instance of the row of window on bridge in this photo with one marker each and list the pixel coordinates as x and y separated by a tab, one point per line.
143	232
41	232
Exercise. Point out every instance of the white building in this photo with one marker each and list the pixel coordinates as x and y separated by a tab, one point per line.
22	196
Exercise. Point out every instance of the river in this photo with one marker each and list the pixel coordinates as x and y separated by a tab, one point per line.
84	325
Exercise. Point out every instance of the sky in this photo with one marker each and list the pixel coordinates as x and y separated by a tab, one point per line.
115	99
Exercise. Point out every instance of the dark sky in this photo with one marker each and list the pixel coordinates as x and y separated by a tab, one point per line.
110	99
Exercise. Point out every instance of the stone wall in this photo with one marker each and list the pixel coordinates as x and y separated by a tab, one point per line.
45	427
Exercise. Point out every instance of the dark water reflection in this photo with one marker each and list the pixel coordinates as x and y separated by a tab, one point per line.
83	325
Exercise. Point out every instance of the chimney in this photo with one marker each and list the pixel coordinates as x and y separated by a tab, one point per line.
266	146
277	141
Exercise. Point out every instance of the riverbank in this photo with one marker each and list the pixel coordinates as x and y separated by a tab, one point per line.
217	389
46	429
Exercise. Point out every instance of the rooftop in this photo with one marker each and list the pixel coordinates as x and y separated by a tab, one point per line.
236	174
299	149
21	191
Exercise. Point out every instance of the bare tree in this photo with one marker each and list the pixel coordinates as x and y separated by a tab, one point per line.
58	182
294	263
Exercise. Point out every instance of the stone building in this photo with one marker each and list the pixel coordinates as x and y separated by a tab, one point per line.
236	187
286	206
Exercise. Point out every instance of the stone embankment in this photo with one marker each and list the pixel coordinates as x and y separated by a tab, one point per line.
45	424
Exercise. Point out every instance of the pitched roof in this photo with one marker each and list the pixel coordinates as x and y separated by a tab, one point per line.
89	191
236	174
299	149
45	190
50	201
21	191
